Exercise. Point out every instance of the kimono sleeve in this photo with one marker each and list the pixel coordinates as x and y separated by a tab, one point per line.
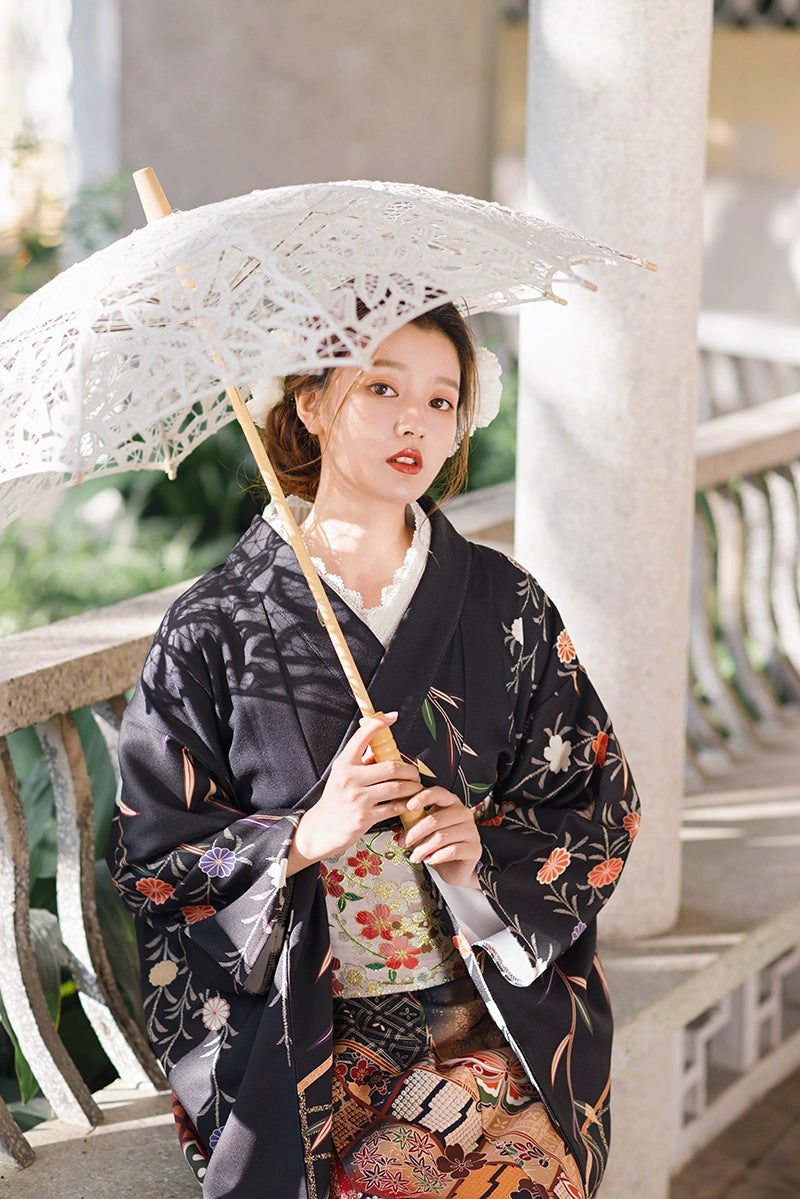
187	855
565	810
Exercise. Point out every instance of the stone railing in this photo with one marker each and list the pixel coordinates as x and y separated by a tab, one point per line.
708	1009
45	676
745	630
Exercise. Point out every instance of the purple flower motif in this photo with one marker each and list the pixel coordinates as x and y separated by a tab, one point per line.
213	1139
579	928
218	862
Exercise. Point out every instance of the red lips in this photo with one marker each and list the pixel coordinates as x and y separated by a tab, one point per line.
407	461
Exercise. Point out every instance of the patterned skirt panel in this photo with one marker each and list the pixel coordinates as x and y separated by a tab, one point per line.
429	1102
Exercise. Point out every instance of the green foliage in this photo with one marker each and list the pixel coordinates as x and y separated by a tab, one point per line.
96	217
492	456
109	540
36	794
35	252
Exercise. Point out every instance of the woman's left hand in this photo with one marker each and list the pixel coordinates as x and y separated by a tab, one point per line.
446	837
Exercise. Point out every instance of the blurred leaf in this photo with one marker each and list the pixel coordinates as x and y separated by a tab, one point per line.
27	1115
36	794
101	776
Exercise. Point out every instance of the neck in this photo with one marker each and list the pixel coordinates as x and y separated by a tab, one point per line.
363	547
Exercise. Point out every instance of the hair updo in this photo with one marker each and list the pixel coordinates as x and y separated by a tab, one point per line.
295	453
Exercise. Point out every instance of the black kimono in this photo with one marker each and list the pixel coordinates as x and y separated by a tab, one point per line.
240	709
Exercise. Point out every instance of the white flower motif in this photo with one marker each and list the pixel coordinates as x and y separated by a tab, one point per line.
268	391
215	1013
277	872
517	631
558	753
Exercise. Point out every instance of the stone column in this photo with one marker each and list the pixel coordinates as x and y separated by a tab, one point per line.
95	45
617	96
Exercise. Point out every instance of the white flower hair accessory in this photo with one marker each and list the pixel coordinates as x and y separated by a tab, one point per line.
490	390
264	394
267	392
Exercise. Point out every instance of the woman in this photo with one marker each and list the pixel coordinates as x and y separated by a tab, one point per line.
341	1004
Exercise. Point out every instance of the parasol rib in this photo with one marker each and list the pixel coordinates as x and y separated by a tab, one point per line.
156	206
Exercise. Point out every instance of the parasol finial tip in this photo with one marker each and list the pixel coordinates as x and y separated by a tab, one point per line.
651	266
151	194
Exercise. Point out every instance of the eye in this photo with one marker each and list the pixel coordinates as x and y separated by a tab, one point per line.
441	404
382	389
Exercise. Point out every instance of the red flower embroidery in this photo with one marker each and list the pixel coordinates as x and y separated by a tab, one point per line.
365	862
605	872
564	648
400	952
600	747
332	881
556	864
377	923
631	822
197	911
364	1073
154	889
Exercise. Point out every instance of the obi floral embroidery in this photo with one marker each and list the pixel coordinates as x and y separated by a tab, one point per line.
387	930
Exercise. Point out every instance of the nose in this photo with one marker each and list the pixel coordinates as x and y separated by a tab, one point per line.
410	420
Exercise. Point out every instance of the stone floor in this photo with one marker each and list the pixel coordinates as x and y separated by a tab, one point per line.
757	1157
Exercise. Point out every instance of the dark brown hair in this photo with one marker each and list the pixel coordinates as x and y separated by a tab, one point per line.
295	453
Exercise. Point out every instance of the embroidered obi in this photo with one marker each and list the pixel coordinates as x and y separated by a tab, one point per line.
387	930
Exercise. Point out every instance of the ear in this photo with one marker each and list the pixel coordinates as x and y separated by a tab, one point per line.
307	403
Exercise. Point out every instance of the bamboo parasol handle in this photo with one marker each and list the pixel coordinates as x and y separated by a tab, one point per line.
383	745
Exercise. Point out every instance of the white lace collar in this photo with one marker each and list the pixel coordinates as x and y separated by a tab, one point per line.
383	619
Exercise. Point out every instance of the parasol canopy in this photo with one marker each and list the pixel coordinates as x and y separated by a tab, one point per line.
123	360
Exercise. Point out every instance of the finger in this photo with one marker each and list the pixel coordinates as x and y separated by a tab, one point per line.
436	796
358	744
440	838
393	774
436	819
451	851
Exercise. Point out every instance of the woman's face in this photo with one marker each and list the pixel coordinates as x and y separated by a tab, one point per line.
385	432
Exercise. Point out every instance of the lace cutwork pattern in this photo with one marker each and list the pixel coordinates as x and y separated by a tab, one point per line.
383	619
122	360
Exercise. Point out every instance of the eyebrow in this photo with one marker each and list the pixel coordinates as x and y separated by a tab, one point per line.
401	366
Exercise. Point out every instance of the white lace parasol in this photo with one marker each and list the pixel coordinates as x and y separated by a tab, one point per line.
122	361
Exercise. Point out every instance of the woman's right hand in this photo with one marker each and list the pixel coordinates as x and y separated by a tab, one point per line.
357	795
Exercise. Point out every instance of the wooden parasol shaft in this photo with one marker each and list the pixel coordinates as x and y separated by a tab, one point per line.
383	745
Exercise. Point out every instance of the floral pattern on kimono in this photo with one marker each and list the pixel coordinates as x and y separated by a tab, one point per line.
239	712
